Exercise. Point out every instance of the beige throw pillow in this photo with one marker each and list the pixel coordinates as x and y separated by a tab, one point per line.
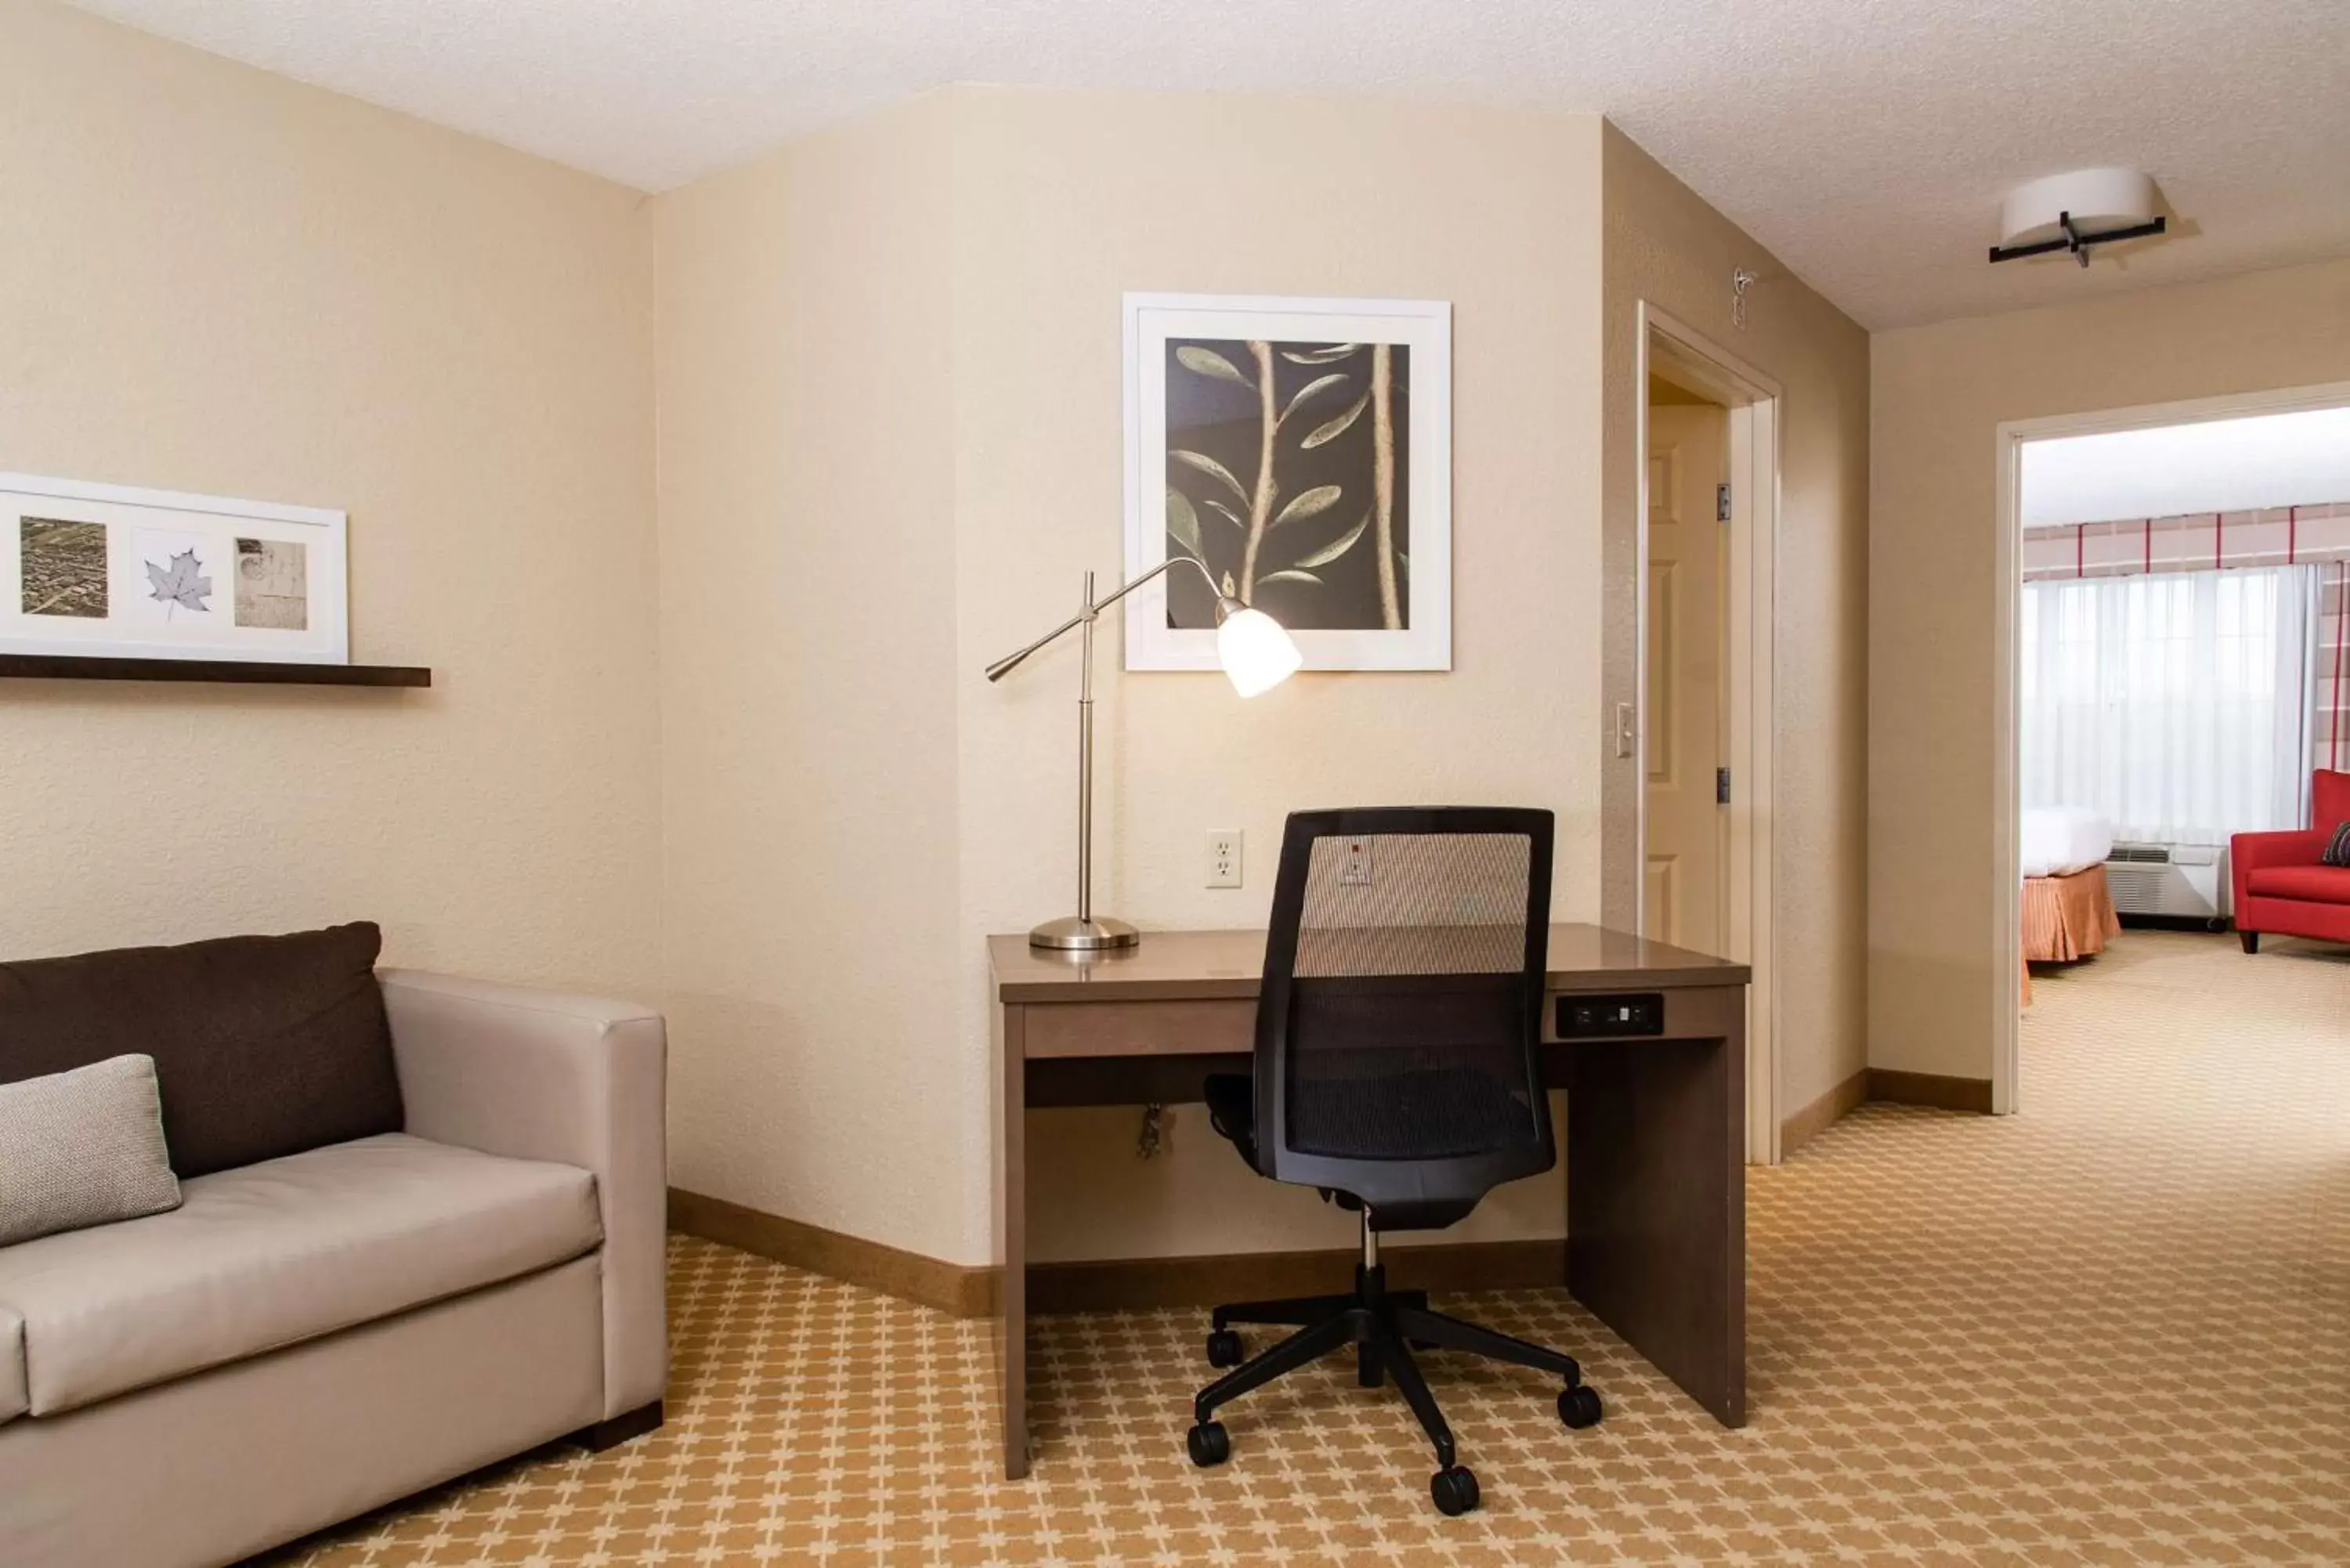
81	1148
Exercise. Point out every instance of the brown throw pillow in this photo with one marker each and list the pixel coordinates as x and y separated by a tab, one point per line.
264	1045
2337	852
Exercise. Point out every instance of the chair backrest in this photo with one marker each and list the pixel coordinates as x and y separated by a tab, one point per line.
1400	1022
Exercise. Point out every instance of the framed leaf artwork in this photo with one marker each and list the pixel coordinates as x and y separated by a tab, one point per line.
1301	450
104	570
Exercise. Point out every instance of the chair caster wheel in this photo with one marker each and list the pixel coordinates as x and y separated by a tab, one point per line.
1208	1444
1454	1489
1224	1348
1579	1407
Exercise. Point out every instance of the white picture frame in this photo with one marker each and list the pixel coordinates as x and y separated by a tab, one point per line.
112	571
1355	633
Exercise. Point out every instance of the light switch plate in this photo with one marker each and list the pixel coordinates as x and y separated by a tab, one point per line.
1355	871
1224	857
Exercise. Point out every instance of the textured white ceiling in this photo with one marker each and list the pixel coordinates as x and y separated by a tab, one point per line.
1868	142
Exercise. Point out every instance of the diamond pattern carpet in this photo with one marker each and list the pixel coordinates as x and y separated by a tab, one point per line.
2114	1329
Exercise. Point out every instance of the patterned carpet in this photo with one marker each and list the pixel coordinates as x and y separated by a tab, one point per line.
2115	1329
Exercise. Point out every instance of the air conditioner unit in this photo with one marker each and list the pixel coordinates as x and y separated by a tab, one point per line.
2187	881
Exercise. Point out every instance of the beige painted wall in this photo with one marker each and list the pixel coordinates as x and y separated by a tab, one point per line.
887	364
958	265
1064	201
1666	246
1938	395
890	374
217	280
808	547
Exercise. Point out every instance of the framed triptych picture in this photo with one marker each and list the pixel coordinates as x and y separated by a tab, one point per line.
103	570
1302	450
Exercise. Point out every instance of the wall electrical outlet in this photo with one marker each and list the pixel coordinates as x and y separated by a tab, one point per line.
1224	857
1355	871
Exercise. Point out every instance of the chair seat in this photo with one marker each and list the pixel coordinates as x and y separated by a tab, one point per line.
271	1254
2309	884
1232	1111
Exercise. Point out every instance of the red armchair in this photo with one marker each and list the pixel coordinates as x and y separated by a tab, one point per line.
2280	885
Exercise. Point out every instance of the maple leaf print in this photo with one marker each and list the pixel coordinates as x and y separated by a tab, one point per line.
181	586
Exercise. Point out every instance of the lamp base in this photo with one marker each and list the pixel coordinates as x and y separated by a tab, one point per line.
1070	934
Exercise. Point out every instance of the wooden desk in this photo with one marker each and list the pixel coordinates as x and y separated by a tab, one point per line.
1655	1154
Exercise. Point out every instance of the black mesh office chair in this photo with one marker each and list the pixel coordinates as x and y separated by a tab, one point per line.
1398	1033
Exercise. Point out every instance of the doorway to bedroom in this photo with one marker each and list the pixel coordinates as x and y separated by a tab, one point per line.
2176	686
1702	738
1685	884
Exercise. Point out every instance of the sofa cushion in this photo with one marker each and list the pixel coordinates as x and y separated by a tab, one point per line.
282	1251
264	1045
2309	884
13	1398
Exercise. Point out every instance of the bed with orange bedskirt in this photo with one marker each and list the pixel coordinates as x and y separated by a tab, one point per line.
2069	917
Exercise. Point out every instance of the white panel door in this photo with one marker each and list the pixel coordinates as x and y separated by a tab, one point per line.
1686	719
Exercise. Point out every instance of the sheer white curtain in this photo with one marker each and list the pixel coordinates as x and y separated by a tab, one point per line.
2178	704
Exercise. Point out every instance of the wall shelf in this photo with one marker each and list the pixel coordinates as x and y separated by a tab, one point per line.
71	667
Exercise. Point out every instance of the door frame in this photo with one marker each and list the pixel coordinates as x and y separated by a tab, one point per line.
1753	399
2007	706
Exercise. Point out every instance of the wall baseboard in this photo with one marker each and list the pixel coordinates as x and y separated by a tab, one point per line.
960	1289
1135	1285
1119	1284
1929	1089
1822	1113
1886	1084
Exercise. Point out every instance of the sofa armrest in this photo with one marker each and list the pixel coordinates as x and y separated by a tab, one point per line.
539	1075
2250	852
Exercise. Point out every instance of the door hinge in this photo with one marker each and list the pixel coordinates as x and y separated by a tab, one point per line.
1721	787
1721	503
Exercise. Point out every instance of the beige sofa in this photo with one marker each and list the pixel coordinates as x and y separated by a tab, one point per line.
306	1338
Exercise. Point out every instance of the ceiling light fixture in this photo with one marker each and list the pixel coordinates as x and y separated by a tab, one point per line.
2072	211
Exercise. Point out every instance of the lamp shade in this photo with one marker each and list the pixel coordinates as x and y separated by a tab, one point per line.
1255	652
2093	198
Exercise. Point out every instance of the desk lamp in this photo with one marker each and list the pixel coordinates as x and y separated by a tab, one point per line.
1256	653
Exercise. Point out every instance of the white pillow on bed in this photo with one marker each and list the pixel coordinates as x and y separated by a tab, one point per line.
2058	840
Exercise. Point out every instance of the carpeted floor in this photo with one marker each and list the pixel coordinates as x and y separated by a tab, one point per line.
2114	1329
